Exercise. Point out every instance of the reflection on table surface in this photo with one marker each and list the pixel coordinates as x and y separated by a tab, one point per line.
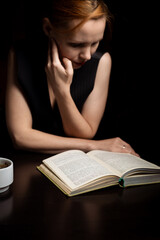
34	208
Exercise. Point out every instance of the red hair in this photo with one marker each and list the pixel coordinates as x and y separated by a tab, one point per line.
60	12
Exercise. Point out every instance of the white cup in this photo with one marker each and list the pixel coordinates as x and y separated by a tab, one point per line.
6	174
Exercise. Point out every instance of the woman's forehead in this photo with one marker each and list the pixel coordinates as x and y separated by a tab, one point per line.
89	31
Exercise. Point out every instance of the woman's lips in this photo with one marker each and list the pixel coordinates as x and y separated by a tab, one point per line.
79	64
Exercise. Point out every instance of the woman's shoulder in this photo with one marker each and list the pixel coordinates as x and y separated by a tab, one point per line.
106	59
104	68
102	58
98	55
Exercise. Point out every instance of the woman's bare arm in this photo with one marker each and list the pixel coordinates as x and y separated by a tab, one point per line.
76	124
19	122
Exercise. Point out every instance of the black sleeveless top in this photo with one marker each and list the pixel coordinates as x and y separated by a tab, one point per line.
32	79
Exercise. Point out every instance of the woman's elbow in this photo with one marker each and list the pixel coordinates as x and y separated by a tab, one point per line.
17	140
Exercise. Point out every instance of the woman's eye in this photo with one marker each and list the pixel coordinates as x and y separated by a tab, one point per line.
75	45
81	45
94	44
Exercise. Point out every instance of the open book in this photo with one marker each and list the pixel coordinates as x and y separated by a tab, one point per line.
75	172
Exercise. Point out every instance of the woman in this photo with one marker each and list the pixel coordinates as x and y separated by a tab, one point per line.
56	103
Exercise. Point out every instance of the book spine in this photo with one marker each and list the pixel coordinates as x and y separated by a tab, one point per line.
121	182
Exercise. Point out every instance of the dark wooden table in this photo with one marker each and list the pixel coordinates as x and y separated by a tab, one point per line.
34	208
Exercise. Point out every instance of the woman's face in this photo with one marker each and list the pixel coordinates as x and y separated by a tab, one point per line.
80	45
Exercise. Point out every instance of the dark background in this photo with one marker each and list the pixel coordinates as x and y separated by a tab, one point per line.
133	105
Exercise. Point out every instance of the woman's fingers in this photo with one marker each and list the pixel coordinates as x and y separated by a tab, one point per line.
118	145
49	55
53	56
59	71
64	64
54	53
68	66
126	148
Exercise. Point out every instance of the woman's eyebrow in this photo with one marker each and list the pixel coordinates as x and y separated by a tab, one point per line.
82	42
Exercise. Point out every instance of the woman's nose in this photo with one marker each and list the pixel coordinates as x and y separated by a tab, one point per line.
86	54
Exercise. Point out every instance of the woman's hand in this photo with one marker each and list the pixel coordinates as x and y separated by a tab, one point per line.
115	145
59	72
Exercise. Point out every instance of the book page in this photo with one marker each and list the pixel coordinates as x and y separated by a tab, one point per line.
122	162
75	168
